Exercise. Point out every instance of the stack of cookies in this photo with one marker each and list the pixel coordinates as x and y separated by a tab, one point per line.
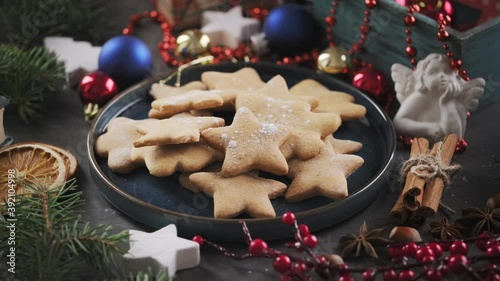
276	130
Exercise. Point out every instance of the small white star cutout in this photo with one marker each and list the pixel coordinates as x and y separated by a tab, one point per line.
228	28
160	250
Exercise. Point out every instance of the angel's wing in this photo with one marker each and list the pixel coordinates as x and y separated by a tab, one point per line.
472	91
404	80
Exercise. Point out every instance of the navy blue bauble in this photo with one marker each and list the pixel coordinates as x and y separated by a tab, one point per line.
291	30
126	59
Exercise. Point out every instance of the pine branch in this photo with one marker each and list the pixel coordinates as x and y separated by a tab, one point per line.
51	241
28	22
27	76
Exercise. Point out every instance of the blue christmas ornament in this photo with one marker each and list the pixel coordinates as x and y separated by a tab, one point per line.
291	30
126	59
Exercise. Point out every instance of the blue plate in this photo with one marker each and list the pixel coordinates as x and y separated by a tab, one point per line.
161	201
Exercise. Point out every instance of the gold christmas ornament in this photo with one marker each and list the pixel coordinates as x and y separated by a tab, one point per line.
192	42
334	60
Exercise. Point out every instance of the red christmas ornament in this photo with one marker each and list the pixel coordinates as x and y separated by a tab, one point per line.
372	82
97	88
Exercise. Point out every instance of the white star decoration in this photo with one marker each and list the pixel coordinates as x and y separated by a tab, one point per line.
75	54
160	250
228	28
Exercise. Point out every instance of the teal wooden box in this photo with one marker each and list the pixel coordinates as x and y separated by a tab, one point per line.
479	47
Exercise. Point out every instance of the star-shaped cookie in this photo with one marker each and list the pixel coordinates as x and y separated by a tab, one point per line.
171	105
228	28
159	91
307	128
244	80
164	160
343	146
249	144
324	174
175	130
241	194
117	143
330	101
278	89
160	250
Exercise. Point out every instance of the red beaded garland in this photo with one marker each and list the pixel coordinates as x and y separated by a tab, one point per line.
311	241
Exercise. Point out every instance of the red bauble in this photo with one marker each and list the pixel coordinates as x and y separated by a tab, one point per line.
432	8
372	82
97	88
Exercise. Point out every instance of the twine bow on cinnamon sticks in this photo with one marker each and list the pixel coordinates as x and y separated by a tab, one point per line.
427	174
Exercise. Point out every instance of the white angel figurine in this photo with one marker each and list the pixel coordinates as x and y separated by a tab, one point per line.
434	99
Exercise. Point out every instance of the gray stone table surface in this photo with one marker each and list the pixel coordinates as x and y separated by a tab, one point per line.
64	126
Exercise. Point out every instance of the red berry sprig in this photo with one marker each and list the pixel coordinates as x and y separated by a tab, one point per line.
428	257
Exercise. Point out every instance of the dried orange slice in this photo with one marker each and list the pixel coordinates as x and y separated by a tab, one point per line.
68	157
30	163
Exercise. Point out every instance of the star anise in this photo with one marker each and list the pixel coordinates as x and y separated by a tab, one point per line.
362	244
478	220
446	230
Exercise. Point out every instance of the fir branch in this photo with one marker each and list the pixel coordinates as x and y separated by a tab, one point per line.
28	22
52	243
27	76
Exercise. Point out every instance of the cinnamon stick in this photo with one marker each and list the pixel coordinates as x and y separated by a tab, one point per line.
414	185
399	214
434	189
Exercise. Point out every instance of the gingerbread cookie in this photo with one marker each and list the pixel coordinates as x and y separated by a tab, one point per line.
164	160
278	89
307	128
117	143
159	91
249	144
243	80
324	174
241	194
176	130
172	105
343	146
330	101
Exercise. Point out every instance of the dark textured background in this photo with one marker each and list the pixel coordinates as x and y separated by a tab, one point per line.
64	126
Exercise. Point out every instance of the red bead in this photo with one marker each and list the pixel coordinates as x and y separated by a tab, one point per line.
369	275
483	237
356	48
428	259
370	4
456	263
433	275
299	268
96	88
410	249
443	269
288	218
396	252
282	263
414	61
343	268
406	275
330	20
286	60
409	40
257	247
365	28
446	47
390	275
459	247
304	230
410	20
322	260
126	31
198	239
311	241
135	18
411	51
443	35
408	31
462	72
153	14
456	64
164	26
449	54
367	13
436	249
298	59
423	252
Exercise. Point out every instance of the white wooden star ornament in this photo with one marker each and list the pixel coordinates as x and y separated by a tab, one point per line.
228	28
160	250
